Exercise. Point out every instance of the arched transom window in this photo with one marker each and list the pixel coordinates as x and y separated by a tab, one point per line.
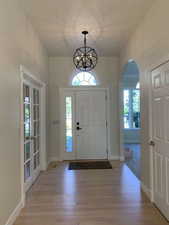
84	79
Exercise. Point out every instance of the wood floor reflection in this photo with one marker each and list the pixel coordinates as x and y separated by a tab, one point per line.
88	197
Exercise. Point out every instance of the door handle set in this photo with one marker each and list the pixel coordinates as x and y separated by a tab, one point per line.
30	138
78	128
151	143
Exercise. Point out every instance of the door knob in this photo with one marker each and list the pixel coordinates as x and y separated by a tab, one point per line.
32	137
78	128
27	138
152	143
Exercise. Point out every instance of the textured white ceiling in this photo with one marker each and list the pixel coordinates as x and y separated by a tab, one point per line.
109	22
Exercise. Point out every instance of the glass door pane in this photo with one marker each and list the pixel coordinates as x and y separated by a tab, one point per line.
36	128
136	108
126	98
27	132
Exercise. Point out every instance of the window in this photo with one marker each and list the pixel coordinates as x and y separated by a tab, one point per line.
84	79
138	85
69	140
131	114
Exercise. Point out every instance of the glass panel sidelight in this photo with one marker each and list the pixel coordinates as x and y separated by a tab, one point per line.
126	109
136	108
69	132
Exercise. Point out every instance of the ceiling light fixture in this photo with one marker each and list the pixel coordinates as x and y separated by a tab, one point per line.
85	58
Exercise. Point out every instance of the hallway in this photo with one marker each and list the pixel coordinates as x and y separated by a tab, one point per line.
133	158
88	197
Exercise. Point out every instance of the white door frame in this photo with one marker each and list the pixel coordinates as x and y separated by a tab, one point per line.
26	76
62	92
121	121
149	74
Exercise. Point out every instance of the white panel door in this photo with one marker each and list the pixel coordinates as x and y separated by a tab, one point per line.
31	128
91	131
160	128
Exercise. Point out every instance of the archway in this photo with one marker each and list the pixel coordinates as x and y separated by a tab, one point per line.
131	116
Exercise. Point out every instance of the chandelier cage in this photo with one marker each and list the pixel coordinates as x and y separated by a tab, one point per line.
85	58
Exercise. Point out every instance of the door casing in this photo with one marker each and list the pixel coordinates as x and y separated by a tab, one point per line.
62	92
29	78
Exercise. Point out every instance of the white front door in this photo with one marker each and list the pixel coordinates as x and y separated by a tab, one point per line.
91	134
160	142
31	129
85	125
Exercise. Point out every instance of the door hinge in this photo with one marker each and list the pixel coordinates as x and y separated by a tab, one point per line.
107	151
152	143
106	124
106	97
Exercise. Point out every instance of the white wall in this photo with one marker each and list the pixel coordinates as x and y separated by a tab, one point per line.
148	45
62	71
19	44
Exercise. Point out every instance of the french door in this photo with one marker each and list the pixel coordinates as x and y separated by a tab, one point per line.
160	137
85	125
31	129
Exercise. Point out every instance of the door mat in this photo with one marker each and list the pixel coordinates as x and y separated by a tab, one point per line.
90	165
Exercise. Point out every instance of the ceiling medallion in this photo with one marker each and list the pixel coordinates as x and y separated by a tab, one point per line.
85	58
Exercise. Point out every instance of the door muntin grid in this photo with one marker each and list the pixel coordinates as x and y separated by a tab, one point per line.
31	104
27	132
36	128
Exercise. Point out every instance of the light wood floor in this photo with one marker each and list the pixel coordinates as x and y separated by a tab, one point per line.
134	161
88	197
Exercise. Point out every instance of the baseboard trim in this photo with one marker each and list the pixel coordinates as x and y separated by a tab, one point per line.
112	157
15	214
53	159
146	190
122	159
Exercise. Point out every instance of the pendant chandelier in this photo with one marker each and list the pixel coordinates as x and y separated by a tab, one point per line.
85	58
